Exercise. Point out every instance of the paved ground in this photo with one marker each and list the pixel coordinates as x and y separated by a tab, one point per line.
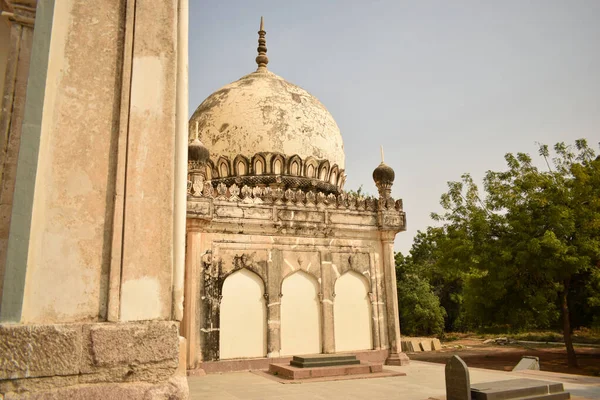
423	380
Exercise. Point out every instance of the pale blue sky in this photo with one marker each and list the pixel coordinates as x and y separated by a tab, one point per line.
446	87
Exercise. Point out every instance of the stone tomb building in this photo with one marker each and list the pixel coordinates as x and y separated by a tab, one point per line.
281	261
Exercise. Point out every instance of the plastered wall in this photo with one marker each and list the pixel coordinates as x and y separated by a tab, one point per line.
243	320
352	313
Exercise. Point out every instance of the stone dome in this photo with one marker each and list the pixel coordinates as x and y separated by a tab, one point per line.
264	131
263	113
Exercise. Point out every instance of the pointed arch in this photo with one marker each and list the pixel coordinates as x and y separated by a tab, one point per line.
241	165
243	316
324	170
352	313
311	166
294	165
223	167
333	175
259	164
277	164
300	315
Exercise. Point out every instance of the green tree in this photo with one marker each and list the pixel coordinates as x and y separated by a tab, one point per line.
419	308
524	244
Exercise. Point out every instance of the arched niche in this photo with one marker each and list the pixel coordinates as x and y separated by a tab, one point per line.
333	176
300	315
352	313
243	317
210	167
277	165
241	165
295	166
311	167
324	170
259	165
223	167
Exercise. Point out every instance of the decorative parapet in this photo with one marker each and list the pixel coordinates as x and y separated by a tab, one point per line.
292	210
273	169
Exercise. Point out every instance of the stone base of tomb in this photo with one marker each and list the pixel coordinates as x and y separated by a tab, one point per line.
137	360
253	364
397	359
286	371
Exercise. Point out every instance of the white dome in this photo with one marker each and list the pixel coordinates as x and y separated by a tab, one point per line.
261	112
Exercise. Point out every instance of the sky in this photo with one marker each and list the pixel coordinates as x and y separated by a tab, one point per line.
446	87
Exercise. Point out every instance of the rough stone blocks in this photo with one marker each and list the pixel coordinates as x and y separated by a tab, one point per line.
38	359
29	351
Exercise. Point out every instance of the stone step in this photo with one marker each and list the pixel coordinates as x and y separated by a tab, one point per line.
295	373
323	363
324	357
515	389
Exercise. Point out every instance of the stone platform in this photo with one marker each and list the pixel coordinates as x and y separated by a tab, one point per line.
519	389
323	360
295	373
324	366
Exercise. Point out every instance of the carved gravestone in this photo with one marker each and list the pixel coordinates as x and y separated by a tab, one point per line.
458	384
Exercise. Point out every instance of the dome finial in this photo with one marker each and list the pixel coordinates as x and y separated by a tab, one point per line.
262	60
381	153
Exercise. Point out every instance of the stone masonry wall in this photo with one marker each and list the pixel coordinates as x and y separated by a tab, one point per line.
135	358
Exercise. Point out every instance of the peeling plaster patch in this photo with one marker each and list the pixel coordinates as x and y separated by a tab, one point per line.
271	322
331	241
209	330
140	299
273	304
308	266
327	301
325	262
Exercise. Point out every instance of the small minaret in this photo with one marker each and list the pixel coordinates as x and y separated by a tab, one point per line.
262	60
384	176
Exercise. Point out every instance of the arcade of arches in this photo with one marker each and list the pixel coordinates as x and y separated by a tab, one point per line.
280	260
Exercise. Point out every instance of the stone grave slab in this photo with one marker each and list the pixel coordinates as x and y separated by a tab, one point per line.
528	362
518	388
425	345
458	382
436	344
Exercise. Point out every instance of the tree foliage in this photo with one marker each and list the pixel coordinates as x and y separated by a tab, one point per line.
524	252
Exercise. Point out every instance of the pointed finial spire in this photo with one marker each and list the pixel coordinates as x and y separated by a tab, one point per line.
382	154
262	60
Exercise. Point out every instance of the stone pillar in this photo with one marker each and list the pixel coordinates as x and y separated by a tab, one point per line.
191	317
327	299
396	357
90	251
21	15
375	298
274	280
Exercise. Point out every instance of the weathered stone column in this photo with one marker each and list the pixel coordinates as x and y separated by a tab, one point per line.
274	263
374	297
396	357
21	14
327	299
191	316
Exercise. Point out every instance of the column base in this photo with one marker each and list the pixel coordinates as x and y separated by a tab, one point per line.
397	359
